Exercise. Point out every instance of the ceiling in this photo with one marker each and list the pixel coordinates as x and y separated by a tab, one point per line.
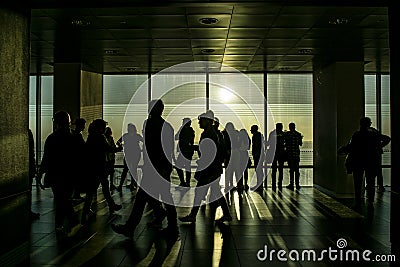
250	37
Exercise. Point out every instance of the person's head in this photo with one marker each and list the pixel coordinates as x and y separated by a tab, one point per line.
61	120
206	119
108	131
132	128
292	126
254	129
156	107
98	126
365	122
79	124
186	122
229	127
279	127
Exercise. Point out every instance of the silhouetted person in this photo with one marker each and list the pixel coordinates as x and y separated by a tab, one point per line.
110	157
158	149
185	137
245	161
209	170
364	150
58	157
293	141
232	159
96	150
79	126
276	143
258	152
130	141
32	171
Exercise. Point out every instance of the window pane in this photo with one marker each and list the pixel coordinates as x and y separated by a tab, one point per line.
118	91
370	98
290	100
385	109
47	109
32	105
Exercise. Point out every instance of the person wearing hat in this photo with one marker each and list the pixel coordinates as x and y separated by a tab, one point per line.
58	157
209	170
185	137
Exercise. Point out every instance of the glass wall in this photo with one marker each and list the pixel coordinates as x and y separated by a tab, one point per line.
370	98
46	109
290	99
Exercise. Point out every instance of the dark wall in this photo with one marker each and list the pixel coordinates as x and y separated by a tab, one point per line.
14	181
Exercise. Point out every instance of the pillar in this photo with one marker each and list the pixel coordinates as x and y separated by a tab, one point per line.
338	106
77	91
14	181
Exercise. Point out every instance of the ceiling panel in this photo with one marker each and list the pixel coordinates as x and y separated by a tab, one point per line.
247	36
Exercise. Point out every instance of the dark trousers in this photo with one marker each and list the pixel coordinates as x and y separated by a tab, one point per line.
358	175
142	198
379	175
64	209
184	163
215	194
258	166
277	165
92	191
125	173
294	170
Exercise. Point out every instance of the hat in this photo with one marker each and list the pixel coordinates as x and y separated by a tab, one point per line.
207	115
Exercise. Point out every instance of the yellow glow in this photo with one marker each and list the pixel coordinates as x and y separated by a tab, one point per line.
225	95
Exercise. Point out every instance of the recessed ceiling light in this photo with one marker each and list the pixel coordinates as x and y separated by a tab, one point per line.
130	68
111	51
305	51
208	21
207	50
338	21
80	22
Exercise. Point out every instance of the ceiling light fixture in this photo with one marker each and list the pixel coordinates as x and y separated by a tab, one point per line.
207	51
208	21
338	21
80	22
111	52
305	51
130	69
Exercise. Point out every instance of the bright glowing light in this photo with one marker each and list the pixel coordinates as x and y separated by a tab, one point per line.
226	95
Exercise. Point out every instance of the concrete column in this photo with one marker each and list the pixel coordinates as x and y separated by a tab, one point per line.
338	106
77	91
14	181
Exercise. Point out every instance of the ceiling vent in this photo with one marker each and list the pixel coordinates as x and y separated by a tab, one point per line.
207	51
111	52
339	21
208	21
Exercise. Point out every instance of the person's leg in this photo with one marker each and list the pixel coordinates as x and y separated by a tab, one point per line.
188	169
179	169
291	173
370	174
280	170
59	215
358	179
274	168
107	195
123	176
219	200
379	176
200	194
296	164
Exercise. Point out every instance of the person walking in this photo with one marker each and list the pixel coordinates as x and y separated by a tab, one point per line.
185	137
156	183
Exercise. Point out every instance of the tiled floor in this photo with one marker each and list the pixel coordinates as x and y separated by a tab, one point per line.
296	222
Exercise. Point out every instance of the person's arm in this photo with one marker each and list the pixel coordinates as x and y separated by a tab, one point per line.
385	140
